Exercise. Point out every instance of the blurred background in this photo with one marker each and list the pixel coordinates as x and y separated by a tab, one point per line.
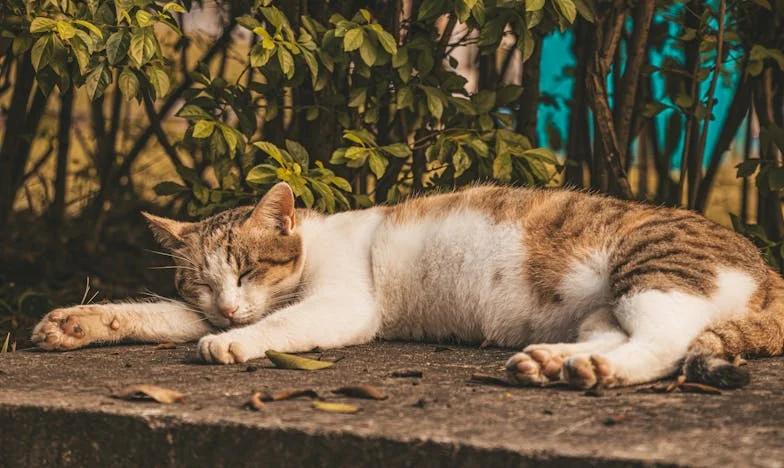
186	108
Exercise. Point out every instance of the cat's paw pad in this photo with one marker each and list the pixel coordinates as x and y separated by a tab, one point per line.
588	371
60	329
221	349
534	367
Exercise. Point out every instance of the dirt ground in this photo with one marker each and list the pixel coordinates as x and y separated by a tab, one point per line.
58	409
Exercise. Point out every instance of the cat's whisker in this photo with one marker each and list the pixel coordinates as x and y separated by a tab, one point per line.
173	267
167	254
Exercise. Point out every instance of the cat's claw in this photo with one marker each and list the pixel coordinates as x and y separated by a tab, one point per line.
60	329
586	372
534	367
218	349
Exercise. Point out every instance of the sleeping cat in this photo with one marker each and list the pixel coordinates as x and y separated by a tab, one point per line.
604	292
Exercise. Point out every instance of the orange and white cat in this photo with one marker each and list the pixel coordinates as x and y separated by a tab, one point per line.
601	291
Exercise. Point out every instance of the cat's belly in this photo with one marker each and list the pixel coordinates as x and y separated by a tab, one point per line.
459	276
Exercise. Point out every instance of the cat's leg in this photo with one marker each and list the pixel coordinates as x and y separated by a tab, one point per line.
78	326
660	326
540	364
324	321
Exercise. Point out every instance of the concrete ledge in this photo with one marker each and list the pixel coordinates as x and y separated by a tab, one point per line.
55	410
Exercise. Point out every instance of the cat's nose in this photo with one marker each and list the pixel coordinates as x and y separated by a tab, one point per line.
228	310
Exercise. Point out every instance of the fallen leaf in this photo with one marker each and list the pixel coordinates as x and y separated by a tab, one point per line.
616	419
441	349
149	392
166	346
331	358
290	361
255	402
407	373
361	391
677	383
251	369
289	394
694	387
485	379
330	407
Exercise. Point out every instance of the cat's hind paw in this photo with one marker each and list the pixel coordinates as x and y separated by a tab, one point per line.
534	367
583	371
222	349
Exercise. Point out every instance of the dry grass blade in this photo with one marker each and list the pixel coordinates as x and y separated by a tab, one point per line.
289	394
255	402
166	346
335	407
361	391
290	361
694	387
4	349
485	379
149	392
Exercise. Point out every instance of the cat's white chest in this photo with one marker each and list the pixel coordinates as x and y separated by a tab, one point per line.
459	275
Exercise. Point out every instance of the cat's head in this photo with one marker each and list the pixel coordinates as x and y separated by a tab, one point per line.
238	265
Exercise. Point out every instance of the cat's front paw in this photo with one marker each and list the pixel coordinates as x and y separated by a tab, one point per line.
70	328
223	349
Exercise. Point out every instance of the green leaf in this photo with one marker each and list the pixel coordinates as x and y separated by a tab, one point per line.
159	80
230	135
652	109
484	101
586	9
81	53
378	163
776	178
368	53
298	152
398	150
169	188
263	174
42	52
434	104
117	46
273	151
357	97
97	81
144	18
534	5
172	6
203	128
502	167
432	8
353	39
508	94
143	46
747	168
193	112
764	4
567	8
129	84
286	62
65	30
386	40
41	24
460	161
404	98
543	154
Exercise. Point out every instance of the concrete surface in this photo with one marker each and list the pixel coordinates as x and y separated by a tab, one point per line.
55	409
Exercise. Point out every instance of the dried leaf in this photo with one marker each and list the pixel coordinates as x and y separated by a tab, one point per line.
407	373
485	379
149	392
166	346
677	383
330	407
616	419
255	402
693	387
290	361
289	394
361	391
441	349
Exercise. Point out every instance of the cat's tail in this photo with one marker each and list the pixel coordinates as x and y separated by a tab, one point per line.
759	333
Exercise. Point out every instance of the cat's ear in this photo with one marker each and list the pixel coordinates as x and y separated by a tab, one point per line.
275	210
168	232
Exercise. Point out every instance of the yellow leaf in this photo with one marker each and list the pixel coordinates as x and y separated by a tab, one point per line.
335	407
290	361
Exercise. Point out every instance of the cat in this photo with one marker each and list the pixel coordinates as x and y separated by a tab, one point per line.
604	292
